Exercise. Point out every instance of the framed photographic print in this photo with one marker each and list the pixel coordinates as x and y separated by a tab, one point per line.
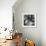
29	20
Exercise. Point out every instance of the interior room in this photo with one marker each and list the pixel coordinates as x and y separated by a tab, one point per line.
22	22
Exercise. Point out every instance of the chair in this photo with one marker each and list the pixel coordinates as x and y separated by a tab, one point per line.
29	43
18	39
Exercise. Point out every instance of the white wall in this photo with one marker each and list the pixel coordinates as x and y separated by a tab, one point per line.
28	6
43	22
38	34
6	13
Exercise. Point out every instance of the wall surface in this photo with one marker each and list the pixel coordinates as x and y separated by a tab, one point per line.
6	13
28	6
43	22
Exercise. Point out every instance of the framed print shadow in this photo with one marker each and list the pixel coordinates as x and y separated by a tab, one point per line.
29	20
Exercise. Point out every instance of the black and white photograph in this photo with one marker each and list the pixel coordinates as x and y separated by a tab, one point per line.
29	20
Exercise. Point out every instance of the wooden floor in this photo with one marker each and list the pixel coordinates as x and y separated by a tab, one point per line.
15	39
8	43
